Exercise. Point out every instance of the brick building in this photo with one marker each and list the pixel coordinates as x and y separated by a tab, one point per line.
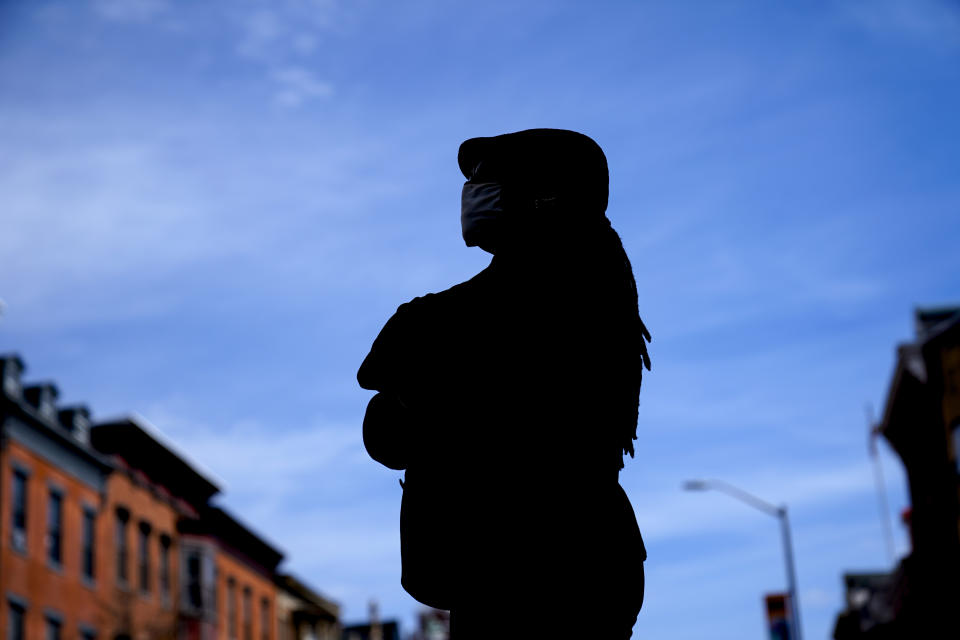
52	488
234	576
108	533
152	489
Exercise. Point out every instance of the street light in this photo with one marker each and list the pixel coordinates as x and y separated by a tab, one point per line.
779	512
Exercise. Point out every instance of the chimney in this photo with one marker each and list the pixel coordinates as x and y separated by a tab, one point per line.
76	420
43	398
11	370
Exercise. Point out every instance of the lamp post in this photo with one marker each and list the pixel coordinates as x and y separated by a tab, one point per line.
780	513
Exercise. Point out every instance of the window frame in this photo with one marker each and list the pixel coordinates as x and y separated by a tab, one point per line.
88	544
264	618
53	541
165	585
53	623
121	544
19	607
143	557
231	608
247	613
20	509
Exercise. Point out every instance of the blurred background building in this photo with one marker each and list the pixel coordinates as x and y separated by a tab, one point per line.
303	613
921	421
374	628
434	624
109	533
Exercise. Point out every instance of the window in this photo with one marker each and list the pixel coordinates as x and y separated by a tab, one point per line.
264	619
54	527
18	528
88	535
53	629
231	608
215	592
120	541
165	568
247	614
86	633
15	616
143	557
194	580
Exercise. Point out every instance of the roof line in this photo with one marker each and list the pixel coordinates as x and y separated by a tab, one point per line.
164	441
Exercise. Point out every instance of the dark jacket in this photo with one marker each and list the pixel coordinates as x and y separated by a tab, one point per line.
498	397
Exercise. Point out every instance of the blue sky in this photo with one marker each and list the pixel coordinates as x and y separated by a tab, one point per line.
209	210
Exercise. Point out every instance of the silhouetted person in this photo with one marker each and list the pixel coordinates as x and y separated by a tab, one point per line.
510	400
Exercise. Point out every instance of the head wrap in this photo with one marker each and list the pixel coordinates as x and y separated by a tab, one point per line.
538	165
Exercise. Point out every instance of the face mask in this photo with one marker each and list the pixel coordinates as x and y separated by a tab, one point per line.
480	212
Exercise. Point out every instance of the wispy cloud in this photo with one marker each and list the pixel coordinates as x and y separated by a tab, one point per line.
274	31
260	31
298	85
274	37
281	36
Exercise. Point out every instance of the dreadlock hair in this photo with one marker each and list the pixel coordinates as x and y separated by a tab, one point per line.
637	334
562	178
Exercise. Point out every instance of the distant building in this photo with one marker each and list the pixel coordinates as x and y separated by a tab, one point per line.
151	491
108	533
386	630
54	571
303	614
921	421
244	600
226	570
375	629
871	605
434	624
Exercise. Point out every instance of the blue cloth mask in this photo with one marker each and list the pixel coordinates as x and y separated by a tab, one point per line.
481	209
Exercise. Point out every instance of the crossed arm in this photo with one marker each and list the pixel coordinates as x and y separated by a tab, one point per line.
387	425
386	431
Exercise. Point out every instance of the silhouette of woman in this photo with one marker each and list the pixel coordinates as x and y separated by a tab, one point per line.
510	399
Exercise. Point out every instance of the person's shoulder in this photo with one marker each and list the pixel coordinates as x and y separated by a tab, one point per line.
451	296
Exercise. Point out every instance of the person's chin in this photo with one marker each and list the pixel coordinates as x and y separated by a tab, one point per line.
484	241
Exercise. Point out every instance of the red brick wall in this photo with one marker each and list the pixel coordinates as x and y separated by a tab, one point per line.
130	610
30	576
229	566
106	606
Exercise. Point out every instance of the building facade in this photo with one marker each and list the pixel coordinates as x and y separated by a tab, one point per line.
303	614
150	492
52	489
108	533
921	421
230	590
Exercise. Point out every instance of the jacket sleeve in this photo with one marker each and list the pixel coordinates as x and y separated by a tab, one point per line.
392	352
388	429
